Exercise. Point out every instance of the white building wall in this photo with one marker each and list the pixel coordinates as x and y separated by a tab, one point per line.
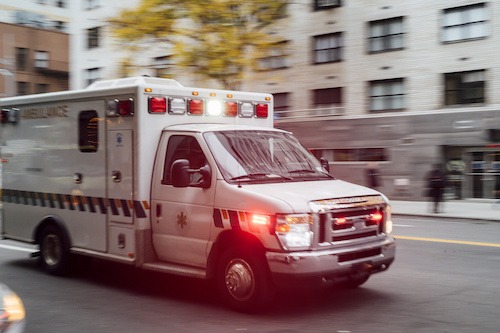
421	63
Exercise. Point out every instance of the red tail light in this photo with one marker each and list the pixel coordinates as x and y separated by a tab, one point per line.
157	105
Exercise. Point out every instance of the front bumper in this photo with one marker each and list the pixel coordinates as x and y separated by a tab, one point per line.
312	268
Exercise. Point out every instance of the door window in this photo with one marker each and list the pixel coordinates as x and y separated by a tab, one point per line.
184	147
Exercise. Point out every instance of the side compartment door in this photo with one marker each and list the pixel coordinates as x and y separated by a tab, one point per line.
119	181
87	223
181	216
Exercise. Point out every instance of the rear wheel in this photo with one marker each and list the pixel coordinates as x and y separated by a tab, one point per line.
54	250
244	281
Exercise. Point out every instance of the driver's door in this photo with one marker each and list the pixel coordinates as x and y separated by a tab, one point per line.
181	217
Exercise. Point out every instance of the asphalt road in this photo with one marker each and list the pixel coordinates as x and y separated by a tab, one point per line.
444	279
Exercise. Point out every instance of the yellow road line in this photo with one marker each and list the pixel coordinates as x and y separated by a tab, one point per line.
450	241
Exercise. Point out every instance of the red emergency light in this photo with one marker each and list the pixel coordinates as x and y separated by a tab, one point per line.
231	109
125	107
261	110
196	106
157	105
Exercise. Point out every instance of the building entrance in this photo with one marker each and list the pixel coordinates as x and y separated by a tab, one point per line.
482	175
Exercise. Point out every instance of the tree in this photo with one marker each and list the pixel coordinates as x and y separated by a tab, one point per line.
217	39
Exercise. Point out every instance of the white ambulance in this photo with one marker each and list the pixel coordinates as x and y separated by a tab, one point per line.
188	181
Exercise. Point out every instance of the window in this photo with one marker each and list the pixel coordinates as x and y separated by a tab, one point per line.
464	87
162	65
23	88
281	105
21	59
41	59
327	97
387	95
276	59
281	102
464	23
326	4
41	88
328	48
91	4
386	35
184	147
59	25
88	131
93	37
353	154
93	74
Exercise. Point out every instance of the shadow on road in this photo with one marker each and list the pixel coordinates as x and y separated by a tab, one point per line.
299	302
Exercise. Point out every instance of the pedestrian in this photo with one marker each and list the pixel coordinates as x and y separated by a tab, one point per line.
435	186
373	175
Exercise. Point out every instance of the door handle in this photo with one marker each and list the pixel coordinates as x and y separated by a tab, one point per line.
158	213
77	178
116	176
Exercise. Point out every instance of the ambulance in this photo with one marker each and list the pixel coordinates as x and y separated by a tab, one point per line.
186	181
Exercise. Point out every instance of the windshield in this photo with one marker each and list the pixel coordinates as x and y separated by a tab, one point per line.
256	156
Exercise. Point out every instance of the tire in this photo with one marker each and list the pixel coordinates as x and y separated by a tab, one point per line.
54	251
244	281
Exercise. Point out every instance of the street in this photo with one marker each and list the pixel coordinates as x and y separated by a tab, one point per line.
444	279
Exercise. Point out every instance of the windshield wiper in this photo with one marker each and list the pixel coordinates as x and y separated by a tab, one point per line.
318	172
261	175
250	176
302	171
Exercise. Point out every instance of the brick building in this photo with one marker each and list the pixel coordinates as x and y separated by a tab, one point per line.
33	60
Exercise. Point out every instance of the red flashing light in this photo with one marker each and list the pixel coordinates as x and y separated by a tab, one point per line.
157	105
261	110
375	218
340	220
125	108
196	106
231	109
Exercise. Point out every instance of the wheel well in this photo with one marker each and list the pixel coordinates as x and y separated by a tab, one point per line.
52	221
227	239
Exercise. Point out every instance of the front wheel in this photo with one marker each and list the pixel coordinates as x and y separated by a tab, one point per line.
54	251
244	281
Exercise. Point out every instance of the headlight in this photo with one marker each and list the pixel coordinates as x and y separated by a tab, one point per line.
294	230
12	311
388	220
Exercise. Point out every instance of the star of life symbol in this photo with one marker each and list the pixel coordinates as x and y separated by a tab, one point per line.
181	220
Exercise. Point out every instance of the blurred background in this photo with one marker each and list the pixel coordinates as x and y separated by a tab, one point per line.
402	85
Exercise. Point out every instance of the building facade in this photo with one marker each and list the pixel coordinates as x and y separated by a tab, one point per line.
33	58
406	84
402	83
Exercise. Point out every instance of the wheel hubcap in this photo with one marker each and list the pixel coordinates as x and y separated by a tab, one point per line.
52	250
240	279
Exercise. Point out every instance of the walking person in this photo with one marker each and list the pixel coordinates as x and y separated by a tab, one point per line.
373	175
435	186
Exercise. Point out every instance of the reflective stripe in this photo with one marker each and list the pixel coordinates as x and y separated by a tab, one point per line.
77	203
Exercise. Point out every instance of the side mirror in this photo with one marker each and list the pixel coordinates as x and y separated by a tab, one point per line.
325	164
206	176
180	173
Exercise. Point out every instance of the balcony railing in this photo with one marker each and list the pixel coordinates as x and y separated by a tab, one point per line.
297	115
52	67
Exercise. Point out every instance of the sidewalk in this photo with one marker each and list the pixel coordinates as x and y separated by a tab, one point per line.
454	209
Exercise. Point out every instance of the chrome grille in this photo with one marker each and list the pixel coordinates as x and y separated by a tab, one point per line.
350	223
